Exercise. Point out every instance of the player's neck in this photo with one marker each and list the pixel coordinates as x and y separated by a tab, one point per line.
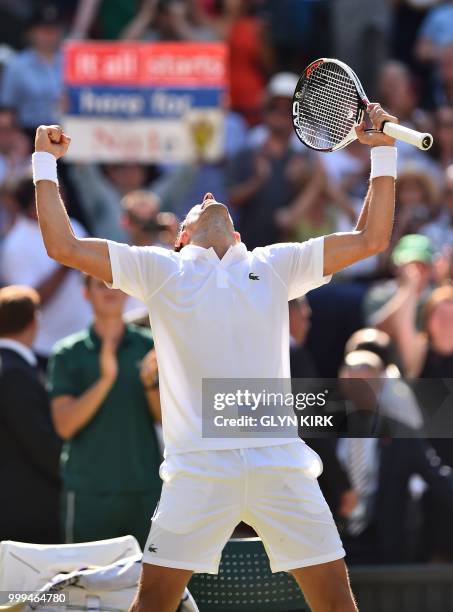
220	244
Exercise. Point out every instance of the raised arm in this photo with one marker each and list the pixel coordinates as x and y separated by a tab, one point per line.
374	227
402	314
86	254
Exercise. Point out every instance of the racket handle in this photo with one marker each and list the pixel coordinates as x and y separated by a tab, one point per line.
421	140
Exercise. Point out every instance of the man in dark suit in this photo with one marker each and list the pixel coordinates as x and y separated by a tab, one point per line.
29	446
384	534
378	465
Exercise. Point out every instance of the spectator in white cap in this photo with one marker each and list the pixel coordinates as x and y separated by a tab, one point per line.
281	85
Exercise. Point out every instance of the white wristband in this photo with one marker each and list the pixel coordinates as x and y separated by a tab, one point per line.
383	162
44	167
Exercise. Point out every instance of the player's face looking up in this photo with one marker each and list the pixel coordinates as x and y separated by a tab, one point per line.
208	224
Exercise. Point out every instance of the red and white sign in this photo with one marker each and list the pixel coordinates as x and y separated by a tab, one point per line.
174	64
147	102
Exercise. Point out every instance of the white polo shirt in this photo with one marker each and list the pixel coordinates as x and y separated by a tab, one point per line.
211	320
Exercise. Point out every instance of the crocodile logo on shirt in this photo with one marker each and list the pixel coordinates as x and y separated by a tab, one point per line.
152	548
253	276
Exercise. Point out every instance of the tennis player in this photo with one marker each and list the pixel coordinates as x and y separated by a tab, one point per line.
220	311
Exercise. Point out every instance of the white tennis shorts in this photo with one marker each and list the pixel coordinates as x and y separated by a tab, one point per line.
274	489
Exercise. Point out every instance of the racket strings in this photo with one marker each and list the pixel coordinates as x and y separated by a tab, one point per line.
328	98
328	124
329	91
328	108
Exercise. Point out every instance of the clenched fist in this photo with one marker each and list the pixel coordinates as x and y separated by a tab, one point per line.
51	139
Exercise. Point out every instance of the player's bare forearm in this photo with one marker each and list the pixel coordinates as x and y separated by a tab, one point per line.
88	255
56	230
363	216
374	227
380	214
372	233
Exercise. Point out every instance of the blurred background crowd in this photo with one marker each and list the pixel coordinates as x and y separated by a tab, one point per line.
79	414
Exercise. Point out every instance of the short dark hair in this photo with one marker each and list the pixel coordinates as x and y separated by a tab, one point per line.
18	307
182	227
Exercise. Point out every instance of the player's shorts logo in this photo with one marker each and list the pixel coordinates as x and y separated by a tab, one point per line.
253	276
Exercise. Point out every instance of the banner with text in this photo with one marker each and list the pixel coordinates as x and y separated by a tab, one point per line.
146	102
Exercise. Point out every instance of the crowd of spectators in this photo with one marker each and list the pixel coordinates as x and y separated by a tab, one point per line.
388	319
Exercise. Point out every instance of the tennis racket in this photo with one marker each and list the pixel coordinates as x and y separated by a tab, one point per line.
329	102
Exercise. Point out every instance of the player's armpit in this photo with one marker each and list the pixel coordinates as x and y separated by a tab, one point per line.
91	255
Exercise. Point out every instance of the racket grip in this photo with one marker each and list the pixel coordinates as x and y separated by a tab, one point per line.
421	140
